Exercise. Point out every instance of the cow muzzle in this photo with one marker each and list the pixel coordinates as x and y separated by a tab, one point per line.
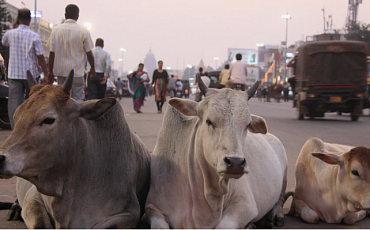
3	174
233	167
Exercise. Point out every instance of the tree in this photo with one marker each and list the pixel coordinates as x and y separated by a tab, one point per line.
4	16
359	32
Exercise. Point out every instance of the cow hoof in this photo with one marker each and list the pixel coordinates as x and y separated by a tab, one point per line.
279	222
15	211
251	226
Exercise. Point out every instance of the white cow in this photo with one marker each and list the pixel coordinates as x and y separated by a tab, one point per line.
79	164
332	183
202	153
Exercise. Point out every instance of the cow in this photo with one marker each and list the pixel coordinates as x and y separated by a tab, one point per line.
79	165
332	183
200	158
274	91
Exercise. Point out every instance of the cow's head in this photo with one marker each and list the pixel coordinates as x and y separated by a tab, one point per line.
224	122
48	131
353	179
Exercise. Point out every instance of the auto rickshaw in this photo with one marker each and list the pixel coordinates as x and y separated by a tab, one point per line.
331	77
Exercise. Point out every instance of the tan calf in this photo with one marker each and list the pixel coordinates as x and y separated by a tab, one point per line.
332	183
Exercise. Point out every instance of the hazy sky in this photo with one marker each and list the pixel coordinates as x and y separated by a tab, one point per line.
181	32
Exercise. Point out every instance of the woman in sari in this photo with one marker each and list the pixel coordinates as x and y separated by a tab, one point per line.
137	80
160	85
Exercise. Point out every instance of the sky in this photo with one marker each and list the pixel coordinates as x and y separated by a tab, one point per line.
182	32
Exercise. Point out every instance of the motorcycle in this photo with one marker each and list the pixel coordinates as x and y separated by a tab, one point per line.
113	93
4	96
237	87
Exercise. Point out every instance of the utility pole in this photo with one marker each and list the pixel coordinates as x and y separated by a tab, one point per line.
323	17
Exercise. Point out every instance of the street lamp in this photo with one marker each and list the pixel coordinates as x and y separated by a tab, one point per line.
88	25
189	66
122	50
260	45
168	68
216	59
286	16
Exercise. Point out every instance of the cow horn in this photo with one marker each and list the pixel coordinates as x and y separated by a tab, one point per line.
31	80
252	90
203	88
67	86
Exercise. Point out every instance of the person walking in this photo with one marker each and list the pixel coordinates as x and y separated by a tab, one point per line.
238	73
224	76
293	64
119	85
26	52
70	47
137	80
97	85
286	93
172	85
160	85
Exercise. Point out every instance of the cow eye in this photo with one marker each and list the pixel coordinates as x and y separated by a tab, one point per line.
355	172
48	121
209	122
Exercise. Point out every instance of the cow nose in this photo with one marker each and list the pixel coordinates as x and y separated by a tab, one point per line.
2	158
235	165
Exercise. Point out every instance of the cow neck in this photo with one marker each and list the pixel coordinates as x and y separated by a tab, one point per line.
207	188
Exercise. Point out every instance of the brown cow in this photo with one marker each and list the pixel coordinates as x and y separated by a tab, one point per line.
332	183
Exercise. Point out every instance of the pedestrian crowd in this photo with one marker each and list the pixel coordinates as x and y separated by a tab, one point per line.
71	48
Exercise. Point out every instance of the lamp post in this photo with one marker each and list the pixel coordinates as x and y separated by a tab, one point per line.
122	50
286	16
216	59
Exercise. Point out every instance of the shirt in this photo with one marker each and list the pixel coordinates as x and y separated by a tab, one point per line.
24	45
224	76
119	84
70	42
102	61
172	83
239	72
206	80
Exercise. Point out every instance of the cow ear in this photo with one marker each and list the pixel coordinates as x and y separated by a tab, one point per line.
329	158
184	106
258	125
94	109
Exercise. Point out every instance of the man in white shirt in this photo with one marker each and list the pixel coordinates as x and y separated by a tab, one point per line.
238	73
97	84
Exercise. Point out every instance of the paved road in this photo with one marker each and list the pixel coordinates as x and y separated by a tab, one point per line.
280	118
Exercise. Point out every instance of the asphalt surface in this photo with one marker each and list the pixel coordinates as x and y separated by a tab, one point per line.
281	121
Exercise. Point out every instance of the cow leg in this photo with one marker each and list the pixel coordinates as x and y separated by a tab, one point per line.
305	212
353	217
119	221
238	215
156	218
127	219
34	212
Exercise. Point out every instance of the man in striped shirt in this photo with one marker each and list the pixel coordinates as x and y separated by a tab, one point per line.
25	53
70	46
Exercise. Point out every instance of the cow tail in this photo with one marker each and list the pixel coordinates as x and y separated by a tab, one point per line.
286	196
